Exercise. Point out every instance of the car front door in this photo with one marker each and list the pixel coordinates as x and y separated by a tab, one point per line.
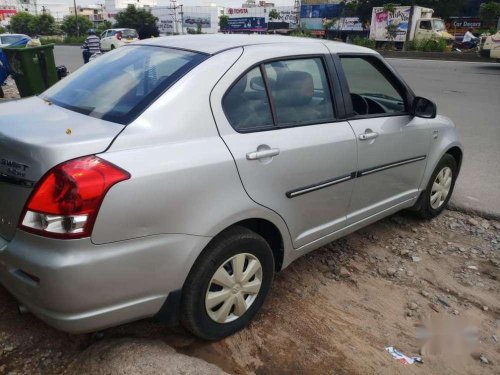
392	144
277	116
105	41
424	29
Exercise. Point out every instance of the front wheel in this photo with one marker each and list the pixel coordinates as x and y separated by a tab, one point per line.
436	196
227	285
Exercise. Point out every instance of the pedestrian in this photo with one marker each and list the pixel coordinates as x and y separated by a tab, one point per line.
469	40
91	45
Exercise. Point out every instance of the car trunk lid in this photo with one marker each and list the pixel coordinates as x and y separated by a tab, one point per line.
36	135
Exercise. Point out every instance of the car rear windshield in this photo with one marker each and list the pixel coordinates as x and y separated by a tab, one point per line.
10	39
129	33
119	85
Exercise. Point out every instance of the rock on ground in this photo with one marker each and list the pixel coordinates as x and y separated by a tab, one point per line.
138	357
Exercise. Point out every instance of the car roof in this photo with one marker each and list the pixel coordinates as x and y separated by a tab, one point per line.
7	34
215	43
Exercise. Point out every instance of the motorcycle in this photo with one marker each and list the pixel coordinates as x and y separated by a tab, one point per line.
466	46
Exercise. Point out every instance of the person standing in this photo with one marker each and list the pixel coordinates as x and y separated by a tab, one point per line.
91	45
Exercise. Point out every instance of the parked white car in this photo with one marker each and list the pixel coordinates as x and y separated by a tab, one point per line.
114	38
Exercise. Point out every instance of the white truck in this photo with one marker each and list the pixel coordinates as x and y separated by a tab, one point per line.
423	25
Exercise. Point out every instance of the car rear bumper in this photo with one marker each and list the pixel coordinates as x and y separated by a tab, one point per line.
77	286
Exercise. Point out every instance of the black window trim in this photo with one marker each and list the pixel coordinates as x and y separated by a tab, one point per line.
329	68
387	71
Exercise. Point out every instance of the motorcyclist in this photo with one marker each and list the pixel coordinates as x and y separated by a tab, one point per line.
469	40
91	45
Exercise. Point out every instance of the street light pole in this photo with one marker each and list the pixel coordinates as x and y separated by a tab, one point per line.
76	19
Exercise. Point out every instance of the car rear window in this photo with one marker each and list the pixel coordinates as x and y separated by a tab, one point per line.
129	33
10	39
119	85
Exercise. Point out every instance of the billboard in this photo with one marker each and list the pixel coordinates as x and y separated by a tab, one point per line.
250	24
192	20
321	11
6	13
458	26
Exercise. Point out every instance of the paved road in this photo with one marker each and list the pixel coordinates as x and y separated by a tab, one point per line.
469	93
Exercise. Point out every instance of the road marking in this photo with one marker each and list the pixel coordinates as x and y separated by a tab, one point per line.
445	61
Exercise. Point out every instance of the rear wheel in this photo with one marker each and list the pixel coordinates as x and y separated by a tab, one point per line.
436	196
227	285
113	47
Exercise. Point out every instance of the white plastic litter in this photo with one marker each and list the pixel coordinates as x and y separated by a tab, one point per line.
404	359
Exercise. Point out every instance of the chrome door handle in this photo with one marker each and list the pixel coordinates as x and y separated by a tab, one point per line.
367	136
255	155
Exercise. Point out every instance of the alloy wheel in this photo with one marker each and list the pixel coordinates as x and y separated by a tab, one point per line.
441	187
233	288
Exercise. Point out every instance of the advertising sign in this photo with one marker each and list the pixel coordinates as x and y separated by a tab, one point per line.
248	24
288	16
192	20
348	24
320	11
6	13
381	19
236	11
458	26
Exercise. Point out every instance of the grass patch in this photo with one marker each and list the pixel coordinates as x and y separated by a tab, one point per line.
427	45
363	42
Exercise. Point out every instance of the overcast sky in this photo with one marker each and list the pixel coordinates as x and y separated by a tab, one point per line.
225	3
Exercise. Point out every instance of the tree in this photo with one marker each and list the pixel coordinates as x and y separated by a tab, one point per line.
22	23
274	15
76	26
489	12
224	21
139	19
103	26
44	24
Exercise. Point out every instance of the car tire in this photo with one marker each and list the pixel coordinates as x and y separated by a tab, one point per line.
112	47
430	204
200	303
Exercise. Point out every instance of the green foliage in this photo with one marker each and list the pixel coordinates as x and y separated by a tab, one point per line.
2	30
427	45
364	42
103	26
76	26
301	31
139	19
390	7
195	31
224	21
490	11
63	40
392	31
274	15
22	23
44	24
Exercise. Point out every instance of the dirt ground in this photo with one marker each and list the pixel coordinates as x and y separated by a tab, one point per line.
430	289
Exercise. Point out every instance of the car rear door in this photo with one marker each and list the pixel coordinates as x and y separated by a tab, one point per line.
105	41
278	115
392	144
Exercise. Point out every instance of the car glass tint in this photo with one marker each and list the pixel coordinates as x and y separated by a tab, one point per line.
120	84
300	91
129	33
246	104
371	92
10	39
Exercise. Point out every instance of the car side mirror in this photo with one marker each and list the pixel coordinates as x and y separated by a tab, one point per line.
424	108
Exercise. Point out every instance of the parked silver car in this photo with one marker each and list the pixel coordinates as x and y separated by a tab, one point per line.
173	177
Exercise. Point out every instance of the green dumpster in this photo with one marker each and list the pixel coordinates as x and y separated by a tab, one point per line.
33	68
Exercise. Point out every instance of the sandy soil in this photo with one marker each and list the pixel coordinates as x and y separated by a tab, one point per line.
422	287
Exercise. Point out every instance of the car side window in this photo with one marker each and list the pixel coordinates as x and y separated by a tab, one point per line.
246	104
371	90
300	91
425	25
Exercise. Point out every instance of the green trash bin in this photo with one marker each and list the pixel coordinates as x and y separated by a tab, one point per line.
33	68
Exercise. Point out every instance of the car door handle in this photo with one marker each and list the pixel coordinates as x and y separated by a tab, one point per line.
367	136
255	155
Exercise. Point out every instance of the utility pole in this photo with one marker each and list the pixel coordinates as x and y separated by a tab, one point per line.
296	10
76	19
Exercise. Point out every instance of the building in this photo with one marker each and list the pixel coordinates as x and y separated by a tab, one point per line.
181	20
94	13
114	6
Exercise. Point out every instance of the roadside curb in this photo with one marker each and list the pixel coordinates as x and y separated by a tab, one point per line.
474	211
447	56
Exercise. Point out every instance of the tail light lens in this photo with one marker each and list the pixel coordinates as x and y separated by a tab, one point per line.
65	203
119	35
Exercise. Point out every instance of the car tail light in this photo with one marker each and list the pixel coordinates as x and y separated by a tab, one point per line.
119	35
65	203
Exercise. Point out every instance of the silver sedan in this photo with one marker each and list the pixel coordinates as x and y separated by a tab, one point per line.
174	177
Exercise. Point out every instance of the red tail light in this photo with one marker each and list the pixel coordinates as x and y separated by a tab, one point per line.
65	203
119	35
